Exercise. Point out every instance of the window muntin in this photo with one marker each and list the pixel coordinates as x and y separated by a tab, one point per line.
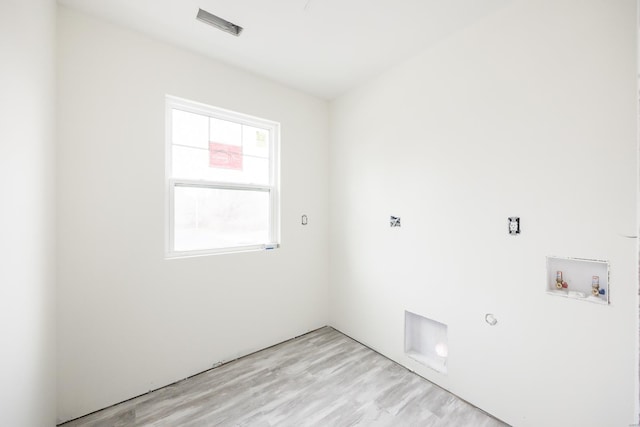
222	180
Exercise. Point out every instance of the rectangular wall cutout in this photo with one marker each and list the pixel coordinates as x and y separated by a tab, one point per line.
425	340
582	279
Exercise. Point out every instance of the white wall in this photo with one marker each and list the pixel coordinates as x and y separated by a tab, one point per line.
129	320
528	113
27	278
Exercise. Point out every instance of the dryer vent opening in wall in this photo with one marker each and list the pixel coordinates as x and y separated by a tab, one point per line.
425	340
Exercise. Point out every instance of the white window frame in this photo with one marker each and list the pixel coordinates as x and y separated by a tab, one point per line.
171	183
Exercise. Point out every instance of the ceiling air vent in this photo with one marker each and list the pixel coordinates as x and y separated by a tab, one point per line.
216	21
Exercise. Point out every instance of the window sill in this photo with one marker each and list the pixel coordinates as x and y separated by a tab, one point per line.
222	251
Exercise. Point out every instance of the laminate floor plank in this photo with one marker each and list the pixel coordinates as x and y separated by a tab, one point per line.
323	378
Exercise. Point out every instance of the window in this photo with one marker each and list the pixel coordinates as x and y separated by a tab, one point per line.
222	180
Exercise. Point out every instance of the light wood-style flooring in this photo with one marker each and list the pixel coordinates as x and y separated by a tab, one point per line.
323	378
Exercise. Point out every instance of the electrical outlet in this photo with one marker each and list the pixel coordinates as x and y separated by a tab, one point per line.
514	225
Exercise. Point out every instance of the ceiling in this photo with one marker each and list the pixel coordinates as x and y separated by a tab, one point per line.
322	47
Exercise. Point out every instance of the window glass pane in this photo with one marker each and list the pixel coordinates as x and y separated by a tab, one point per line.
211	218
255	141
190	129
256	170
188	163
225	132
215	164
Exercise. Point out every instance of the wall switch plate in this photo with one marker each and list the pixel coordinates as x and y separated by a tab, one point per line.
514	225
394	221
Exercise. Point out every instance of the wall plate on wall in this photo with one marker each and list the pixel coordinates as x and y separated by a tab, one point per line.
514	225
